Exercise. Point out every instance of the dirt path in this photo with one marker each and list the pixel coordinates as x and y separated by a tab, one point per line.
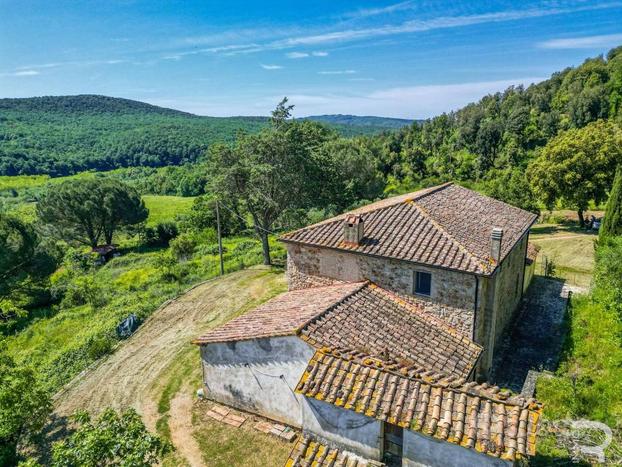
127	377
537	335
180	425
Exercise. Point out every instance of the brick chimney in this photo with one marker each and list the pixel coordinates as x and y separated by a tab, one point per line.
495	243
353	230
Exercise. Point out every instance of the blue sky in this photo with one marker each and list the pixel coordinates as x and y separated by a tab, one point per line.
410	59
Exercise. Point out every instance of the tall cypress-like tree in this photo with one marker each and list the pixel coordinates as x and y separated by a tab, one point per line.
612	224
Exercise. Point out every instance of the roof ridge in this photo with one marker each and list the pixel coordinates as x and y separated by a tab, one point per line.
363	284
456	242
435	380
339	217
429	317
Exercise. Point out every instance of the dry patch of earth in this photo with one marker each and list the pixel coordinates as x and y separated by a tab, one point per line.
157	370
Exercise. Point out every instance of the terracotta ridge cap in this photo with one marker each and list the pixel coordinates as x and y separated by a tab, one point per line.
427	316
481	263
362	284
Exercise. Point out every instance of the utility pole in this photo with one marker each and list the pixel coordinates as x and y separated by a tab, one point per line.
222	264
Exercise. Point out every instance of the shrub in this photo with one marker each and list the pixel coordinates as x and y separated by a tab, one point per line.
183	247
160	235
112	439
84	291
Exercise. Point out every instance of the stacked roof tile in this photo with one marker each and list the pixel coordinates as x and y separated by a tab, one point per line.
309	452
281	316
359	315
532	252
474	416
447	226
380	323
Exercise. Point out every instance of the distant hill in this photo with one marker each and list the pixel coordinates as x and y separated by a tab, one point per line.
63	135
366	121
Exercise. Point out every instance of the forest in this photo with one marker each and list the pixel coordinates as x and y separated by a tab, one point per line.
69	134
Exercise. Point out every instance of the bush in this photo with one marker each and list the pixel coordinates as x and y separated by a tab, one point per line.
183	247
24	406
160	235
84	291
112	439
98	346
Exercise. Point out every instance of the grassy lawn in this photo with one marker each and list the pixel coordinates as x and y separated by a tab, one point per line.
222	445
165	208
570	248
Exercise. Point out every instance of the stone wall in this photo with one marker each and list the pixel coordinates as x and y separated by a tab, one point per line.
499	298
258	375
420	450
452	294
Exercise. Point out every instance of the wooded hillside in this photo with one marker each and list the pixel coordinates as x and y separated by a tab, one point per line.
68	134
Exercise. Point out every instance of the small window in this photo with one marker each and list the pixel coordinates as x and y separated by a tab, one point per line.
423	283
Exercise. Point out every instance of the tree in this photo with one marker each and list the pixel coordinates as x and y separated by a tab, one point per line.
111	440
512	187
577	166
24	261
24	406
203	216
86	210
270	172
612	224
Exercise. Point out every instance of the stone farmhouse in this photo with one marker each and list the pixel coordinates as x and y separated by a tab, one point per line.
392	318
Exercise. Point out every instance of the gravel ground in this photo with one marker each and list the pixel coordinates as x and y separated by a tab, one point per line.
537	334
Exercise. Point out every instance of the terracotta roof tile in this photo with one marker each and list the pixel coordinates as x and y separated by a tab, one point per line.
379	322
309	451
480	417
447	226
532	252
357	315
282	316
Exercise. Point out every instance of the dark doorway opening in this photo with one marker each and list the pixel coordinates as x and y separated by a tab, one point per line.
393	445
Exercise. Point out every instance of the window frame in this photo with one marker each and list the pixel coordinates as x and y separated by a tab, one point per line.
416	283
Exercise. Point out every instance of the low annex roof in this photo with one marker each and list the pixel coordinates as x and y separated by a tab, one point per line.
447	226
479	417
357	315
283	315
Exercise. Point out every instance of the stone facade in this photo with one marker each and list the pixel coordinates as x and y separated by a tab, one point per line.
481	307
452	293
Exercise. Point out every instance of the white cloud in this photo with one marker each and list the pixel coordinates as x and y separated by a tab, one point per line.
366	12
337	72
26	73
405	102
21	73
297	55
585	42
361	79
271	67
319	54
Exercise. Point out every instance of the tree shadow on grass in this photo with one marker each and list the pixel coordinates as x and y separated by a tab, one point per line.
56	429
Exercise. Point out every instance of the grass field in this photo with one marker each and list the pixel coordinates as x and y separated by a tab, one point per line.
570	249
165	208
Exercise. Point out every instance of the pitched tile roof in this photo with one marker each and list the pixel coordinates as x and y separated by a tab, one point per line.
309	451
356	315
473	416
379	322
447	226
284	315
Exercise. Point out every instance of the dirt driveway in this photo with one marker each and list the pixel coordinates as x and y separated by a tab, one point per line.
127	378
